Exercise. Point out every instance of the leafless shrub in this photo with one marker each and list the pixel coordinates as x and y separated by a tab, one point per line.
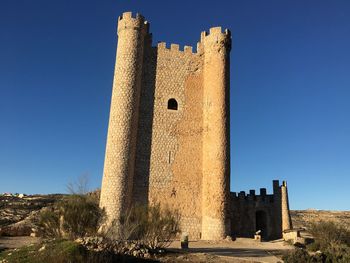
74	216
327	232
49	223
153	227
80	186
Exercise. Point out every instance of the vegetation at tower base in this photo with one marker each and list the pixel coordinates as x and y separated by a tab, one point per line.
74	216
63	251
331	244
70	233
150	226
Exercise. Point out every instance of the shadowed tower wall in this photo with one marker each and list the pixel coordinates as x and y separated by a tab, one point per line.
168	135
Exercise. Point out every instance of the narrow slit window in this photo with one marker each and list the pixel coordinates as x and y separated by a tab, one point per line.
172	104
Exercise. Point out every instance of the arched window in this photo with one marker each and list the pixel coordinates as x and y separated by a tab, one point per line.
172	104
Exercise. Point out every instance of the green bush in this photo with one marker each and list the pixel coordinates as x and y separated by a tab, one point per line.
75	216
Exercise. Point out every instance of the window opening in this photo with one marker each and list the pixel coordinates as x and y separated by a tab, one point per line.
172	104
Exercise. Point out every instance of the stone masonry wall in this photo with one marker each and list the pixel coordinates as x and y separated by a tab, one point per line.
169	156
123	120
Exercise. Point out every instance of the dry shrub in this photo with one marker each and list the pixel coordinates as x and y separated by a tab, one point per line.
332	243
160	227
297	256
49	223
75	216
150	226
327	232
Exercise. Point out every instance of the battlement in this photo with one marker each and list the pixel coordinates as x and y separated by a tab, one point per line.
215	31
252	197
128	20
130	15
216	37
175	48
263	195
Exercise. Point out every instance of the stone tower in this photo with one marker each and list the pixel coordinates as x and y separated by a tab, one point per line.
168	133
216	144
286	219
123	120
168	139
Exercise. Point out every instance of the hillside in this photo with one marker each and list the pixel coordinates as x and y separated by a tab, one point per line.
16	210
302	218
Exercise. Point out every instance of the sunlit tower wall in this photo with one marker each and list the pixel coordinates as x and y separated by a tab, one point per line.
216	48
286	219
117	182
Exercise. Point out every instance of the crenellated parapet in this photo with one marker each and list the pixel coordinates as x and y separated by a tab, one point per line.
175	48
134	22
215	40
251	197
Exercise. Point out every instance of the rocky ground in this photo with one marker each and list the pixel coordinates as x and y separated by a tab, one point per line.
17	211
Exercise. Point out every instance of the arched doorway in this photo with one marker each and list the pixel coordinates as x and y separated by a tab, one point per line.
261	223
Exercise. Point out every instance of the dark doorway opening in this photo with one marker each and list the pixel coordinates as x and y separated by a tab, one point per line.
261	223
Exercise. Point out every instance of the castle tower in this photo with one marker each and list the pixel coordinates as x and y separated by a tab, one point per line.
216	136
116	190
286	219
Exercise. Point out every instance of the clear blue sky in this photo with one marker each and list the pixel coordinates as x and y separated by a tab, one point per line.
290	90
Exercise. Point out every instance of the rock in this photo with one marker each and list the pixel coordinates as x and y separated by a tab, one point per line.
42	248
228	238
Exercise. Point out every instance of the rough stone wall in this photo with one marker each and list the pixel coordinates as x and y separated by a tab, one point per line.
286	218
216	144
123	121
169	156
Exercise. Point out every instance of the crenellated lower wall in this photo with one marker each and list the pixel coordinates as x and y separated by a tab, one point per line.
250	213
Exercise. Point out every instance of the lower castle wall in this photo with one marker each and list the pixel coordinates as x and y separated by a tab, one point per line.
247	210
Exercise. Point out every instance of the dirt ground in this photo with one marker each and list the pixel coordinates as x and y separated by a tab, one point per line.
16	242
242	250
